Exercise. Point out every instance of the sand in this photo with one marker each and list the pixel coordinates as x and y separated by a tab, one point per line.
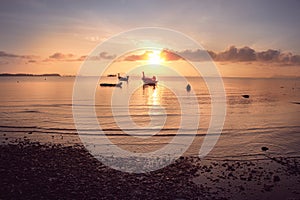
31	170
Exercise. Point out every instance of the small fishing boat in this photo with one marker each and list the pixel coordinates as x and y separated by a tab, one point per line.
123	78
149	81
111	84
111	75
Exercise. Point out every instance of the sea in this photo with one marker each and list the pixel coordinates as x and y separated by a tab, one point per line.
139	118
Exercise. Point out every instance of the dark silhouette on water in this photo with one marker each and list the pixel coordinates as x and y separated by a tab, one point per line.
149	81
111	84
123	78
188	88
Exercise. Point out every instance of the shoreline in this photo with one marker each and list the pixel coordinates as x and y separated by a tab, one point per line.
35	170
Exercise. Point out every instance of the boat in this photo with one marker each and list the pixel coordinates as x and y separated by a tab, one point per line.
123	78
111	84
149	81
111	75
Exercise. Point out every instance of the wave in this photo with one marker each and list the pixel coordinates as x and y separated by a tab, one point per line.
169	132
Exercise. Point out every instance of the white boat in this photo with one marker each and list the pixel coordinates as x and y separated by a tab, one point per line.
148	80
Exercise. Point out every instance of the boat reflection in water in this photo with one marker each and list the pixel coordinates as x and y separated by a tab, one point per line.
149	85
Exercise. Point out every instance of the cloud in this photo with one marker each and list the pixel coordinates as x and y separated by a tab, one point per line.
101	56
11	58
235	54
82	58
4	54
269	55
137	57
69	57
106	56
61	56
248	54
168	55
231	54
277	56
244	54
196	55
295	59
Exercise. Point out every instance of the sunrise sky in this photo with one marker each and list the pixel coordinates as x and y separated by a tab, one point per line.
245	38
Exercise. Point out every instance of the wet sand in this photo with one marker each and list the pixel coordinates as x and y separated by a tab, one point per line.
31	170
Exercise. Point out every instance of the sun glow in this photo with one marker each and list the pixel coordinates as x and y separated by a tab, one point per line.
154	57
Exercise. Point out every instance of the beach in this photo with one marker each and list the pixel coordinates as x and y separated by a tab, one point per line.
150	100
256	157
31	170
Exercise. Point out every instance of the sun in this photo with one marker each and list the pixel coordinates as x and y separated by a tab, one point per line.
154	57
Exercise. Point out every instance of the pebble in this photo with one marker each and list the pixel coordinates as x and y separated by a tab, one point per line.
268	187
276	178
264	148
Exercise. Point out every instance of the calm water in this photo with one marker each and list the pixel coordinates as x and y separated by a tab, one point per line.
270	117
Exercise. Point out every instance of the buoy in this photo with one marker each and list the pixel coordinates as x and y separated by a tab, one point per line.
188	88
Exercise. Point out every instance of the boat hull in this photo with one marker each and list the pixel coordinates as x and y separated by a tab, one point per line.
111	84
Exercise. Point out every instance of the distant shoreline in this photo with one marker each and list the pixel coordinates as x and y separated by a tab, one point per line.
21	74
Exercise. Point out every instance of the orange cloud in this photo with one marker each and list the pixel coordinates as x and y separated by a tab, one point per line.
168	55
232	54
165	54
138	57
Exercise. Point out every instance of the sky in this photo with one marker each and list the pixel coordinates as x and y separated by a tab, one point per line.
257	38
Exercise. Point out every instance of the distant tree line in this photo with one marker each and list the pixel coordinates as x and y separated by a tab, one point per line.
22	74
